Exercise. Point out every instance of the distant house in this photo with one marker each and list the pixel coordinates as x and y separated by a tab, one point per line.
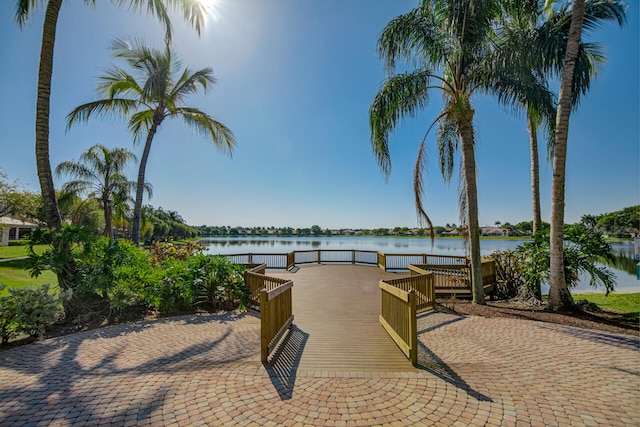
13	229
494	231
451	232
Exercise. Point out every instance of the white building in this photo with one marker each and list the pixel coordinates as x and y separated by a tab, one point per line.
10	228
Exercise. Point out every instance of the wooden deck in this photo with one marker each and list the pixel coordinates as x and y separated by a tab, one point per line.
336	309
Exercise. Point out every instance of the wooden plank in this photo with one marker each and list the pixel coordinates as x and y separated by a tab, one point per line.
395	337
280	289
396	292
336	310
274	342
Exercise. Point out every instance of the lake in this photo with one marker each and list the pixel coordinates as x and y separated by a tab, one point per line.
624	267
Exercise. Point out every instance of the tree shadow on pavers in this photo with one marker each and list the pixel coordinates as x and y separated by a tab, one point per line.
59	388
432	320
430	362
621	341
283	366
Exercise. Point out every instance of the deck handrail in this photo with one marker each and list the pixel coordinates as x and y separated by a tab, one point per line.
276	316
398	317
385	261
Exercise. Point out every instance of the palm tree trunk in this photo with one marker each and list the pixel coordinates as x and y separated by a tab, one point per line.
465	129
535	188
65	274
45	71
108	220
535	174
559	296
137	210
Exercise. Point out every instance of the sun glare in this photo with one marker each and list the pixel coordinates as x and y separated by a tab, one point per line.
212	7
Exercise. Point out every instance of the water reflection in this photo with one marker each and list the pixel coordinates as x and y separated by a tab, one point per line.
623	259
623	266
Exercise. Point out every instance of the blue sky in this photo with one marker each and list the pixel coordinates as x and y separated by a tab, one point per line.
295	80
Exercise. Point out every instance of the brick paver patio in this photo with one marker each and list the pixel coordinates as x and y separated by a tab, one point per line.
205	370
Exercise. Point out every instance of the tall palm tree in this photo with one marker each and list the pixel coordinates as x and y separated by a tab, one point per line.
151	93
587	15
451	42
193	12
519	22
524	27
99	175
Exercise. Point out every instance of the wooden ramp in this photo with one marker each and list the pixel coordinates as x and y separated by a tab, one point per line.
336	309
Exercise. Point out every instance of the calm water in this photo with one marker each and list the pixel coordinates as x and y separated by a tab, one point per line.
624	268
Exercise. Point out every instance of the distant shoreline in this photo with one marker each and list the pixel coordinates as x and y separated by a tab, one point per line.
609	240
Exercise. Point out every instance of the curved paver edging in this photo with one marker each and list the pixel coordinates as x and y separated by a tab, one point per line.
206	370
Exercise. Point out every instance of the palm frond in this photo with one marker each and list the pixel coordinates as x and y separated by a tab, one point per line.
116	82
403	95
139	124
103	107
188	82
448	143
413	37
418	189
208	127
155	8
76	169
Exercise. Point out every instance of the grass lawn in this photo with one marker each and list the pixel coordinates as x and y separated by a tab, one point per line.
13	274
19	251
627	304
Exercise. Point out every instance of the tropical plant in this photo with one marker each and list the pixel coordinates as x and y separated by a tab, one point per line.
451	42
99	175
588	15
219	282
64	263
75	210
155	91
192	11
584	248
508	273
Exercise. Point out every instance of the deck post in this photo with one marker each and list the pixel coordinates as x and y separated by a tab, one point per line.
413	328
264	325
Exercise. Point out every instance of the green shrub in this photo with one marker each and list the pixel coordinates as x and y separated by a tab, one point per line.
8	327
174	291
17	242
29	310
220	282
509	266
36	309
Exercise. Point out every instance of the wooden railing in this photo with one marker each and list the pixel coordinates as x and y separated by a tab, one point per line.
272	297
387	262
456	279
254	278
276	315
423	286
399	318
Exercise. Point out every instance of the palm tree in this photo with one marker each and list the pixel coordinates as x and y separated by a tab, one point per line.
194	14
523	26
588	14
99	175
456	39
153	92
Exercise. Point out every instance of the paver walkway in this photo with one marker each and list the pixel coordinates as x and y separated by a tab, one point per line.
206	370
